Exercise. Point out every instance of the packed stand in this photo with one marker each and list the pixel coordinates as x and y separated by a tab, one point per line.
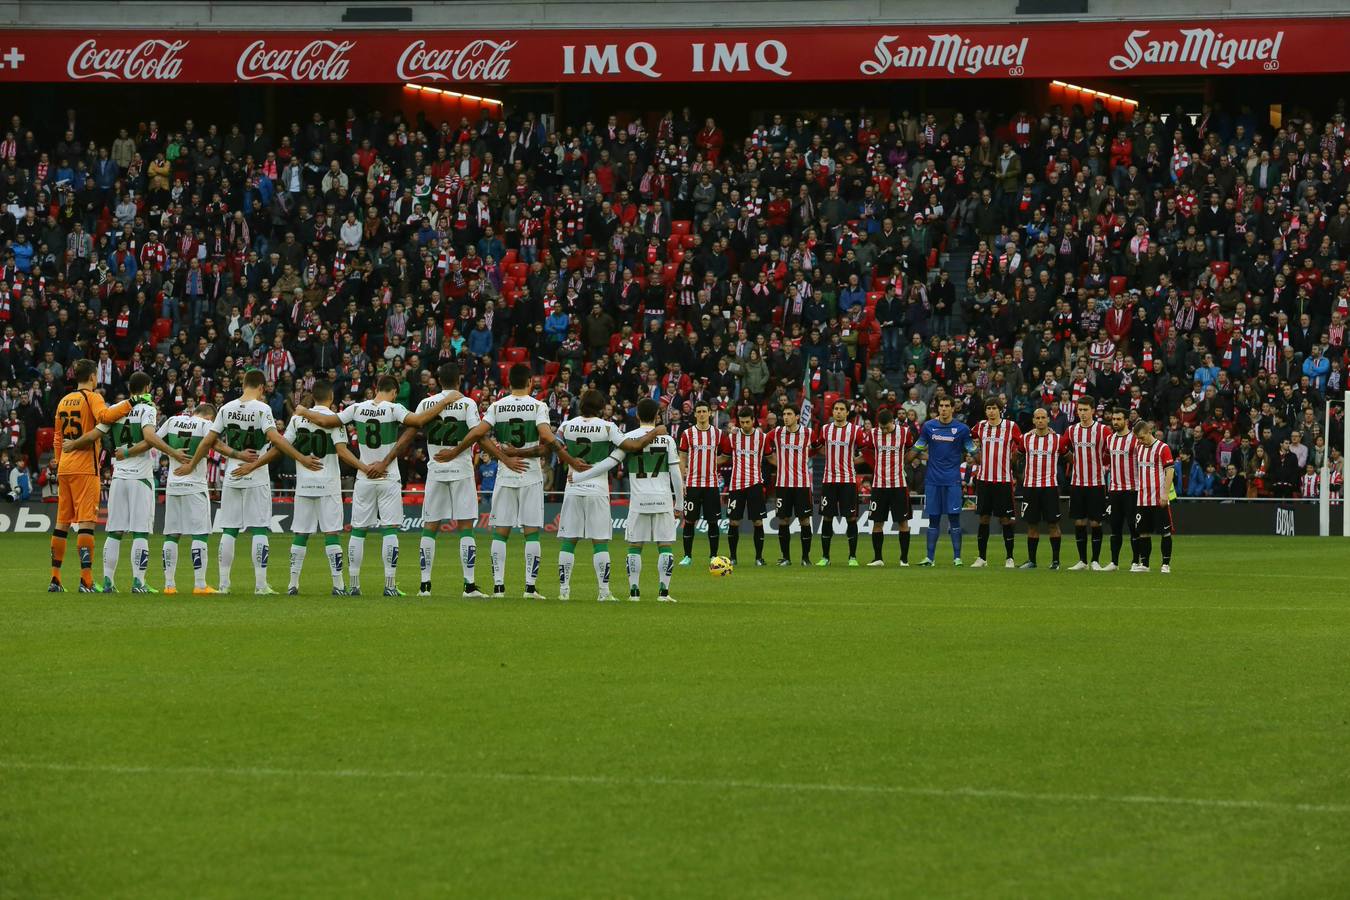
1192	272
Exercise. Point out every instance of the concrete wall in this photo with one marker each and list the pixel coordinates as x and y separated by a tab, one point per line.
600	13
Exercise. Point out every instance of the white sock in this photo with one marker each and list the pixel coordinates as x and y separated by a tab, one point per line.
426	556
468	557
334	553
601	563
566	560
389	552
665	567
170	556
498	561
297	562
634	571
226	561
199	556
261	551
532	559
112	552
140	558
356	553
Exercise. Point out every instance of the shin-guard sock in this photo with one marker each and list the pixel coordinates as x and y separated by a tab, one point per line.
1165	542
1054	549
954	532
1080	539
533	555
806	541
468	558
299	545
140	555
112	555
826	536
332	548
904	546
601	562
784	541
689	527
261	551
934	523
733	539
498	554
169	554
356	554
714	538
634	565
567	557
1145	550
225	564
1116	541
1096	543
878	539
665	569
852	539
759	541
59	537
199	558
1010	540
982	540
84	544
1032	544
389	554
426	554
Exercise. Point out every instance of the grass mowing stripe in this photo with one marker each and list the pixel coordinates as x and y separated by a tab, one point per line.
956	793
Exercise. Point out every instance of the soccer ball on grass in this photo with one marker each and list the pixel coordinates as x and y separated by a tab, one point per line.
719	567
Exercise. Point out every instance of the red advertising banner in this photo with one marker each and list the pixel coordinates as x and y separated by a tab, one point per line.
845	53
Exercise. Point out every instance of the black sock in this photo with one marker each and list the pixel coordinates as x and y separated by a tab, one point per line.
733	538
688	538
904	546
877	539
806	542
1054	549
1166	543
1080	538
1116	540
1145	550
784	539
1010	540
982	538
826	535
852	539
1032	543
759	542
1134	548
714	538
1096	543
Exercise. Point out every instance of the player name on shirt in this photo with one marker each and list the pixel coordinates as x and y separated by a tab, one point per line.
590	440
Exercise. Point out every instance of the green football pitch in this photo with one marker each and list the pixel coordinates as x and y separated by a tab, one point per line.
777	733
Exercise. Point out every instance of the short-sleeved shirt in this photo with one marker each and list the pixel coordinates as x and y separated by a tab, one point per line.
76	413
591	440
185	433
320	443
947	446
444	433
650	489
515	423
376	424
128	433
243	425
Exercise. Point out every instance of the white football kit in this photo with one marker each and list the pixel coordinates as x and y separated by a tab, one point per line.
318	495
131	493
376	503
187	505
585	510
451	494
245	502
518	497
651	495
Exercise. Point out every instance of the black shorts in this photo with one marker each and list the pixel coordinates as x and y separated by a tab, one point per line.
838	499
702	502
746	504
995	499
1087	503
1153	520
792	503
1120	511
889	502
1040	505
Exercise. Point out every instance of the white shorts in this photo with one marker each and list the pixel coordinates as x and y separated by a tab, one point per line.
650	528
517	507
585	517
446	501
313	514
131	505
187	513
377	504
245	507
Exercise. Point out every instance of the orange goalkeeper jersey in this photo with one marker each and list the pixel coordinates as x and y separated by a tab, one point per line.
78	412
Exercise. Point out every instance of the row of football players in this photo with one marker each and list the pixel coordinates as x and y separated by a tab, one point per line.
515	430
1118	473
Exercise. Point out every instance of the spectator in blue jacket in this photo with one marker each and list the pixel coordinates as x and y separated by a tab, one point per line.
480	339
852	295
1317	367
555	327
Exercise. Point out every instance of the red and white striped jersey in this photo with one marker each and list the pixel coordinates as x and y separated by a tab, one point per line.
747	456
1043	452
1154	461
1089	453
793	449
889	471
702	447
997	443
842	443
1120	449
1310	487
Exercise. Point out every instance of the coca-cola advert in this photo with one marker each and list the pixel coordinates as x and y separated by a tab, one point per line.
546	56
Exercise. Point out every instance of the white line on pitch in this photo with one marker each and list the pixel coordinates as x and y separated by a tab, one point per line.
789	787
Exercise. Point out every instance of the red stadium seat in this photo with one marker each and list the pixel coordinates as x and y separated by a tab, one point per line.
681	226
551	369
1116	285
516	354
45	439
677	256
1219	268
520	271
162	331
510	258
687	241
668	273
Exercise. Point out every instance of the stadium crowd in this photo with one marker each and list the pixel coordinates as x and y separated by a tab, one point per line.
1191	270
